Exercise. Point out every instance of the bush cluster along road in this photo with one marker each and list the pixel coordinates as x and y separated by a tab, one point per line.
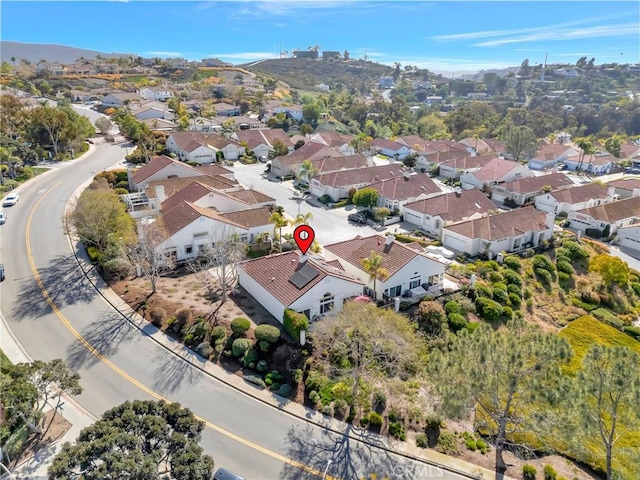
55	312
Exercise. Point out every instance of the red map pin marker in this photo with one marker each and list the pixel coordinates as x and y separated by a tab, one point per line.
304	235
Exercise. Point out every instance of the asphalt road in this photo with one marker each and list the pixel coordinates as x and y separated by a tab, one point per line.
253	439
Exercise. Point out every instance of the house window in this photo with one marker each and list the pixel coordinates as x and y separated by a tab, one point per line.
395	291
433	280
415	281
200	234
326	304
307	313
188	250
516	243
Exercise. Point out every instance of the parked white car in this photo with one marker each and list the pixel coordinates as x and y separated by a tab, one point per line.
3	217
10	200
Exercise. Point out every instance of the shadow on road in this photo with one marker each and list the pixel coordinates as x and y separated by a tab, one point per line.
64	282
172	372
340	456
105	335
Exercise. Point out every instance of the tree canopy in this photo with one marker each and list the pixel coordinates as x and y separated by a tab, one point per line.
366	197
139	439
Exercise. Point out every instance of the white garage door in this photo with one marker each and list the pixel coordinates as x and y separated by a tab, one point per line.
454	242
412	217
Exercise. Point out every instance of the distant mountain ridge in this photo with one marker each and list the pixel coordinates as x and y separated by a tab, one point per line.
34	52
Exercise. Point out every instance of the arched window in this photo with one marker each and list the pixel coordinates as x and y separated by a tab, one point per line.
326	304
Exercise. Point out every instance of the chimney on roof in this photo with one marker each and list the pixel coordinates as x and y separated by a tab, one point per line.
303	259
389	240
458	191
160	193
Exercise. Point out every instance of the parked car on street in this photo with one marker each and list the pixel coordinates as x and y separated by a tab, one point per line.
3	217
358	217
224	474
10	200
1	272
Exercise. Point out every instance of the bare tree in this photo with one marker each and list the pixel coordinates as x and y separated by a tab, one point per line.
104	125
221	259
148	254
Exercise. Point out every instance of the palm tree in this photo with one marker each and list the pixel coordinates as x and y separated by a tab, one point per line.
301	219
373	266
306	170
278	220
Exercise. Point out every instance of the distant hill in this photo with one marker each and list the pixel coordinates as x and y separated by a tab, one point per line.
34	52
304	73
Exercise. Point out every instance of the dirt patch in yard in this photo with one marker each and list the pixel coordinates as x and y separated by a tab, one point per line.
37	443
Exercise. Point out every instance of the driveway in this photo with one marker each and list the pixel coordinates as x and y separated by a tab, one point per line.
330	225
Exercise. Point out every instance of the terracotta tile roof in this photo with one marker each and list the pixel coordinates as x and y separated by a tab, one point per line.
494	145
629	150
219	142
174	185
599	159
254	138
535	184
250	196
158	123
496	169
552	151
309	151
386	144
357	176
453	207
154	166
401	188
355	250
224	107
625	184
581	193
614	211
429	146
250	218
332	164
468	163
179	217
503	225
189	141
213	169
273	273
193	192
333	139
443	157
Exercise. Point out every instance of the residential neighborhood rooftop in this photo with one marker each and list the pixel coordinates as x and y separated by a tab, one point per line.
400	187
454	207
535	184
502	225
581	193
614	211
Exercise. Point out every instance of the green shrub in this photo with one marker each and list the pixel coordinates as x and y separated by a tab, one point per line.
584	305
566	267
255	380
240	325
267	333
515	300
488	309
543	262
94	254
496	277
472	326
544	276
447	443
294	322
512	278
324	199
512	263
452	307
511	288
500	295
204	349
529	472
507	313
456	321
239	346
218	332
576	251
483	290
285	390
262	366
422	441
250	356
550	473
375	419
470	443
482	446
264	346
120	191
378	401
16	442
316	380
607	317
396	430
636	287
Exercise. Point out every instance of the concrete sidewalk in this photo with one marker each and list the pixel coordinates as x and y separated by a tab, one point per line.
36	466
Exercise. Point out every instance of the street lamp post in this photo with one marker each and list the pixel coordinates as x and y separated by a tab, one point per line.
324	475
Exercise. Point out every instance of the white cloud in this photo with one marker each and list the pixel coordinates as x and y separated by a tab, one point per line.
243	55
165	54
452	65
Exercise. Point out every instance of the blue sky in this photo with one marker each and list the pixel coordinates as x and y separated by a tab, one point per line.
439	35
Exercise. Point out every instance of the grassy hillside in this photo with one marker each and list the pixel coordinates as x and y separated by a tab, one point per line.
304	73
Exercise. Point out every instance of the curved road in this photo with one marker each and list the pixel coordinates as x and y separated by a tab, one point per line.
55	312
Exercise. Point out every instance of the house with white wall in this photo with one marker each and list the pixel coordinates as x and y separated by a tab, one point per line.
550	154
574	198
629	237
191	147
159	168
231	150
409	269
191	227
510	231
160	94
224	109
337	184
399	190
459	165
147	112
288	165
495	171
527	189
303	283
120	99
596	164
335	140
261	142
613	215
224	201
390	148
626	187
432	214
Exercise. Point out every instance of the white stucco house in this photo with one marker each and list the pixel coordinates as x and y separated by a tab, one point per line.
120	99
304	283
613	215
160	94
574	198
629	237
149	112
432	214
495	171
390	148
190	227
335	140
231	150
550	154
597	163
191	147
409	269
337	184
458	166
288	165
505	232
525	190
626	187
399	190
